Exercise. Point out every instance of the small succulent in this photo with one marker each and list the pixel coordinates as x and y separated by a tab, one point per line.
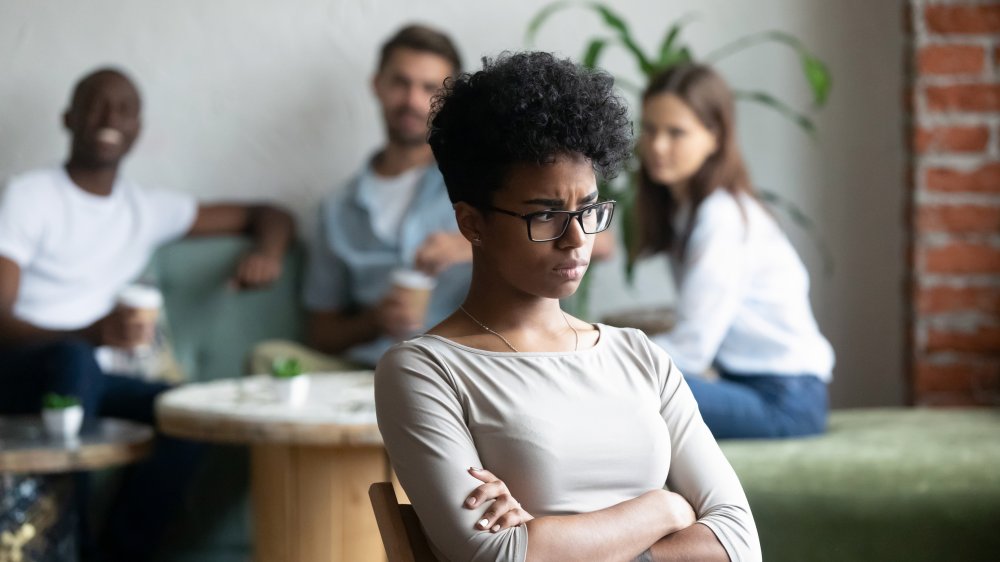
53	401
286	368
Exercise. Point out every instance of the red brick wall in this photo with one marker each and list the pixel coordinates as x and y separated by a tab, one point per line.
953	96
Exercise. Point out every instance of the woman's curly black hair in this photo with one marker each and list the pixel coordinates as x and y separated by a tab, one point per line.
525	108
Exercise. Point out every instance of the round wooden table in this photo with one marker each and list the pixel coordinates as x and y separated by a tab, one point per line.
35	487
311	465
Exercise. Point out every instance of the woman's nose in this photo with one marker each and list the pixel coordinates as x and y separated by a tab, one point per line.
574	236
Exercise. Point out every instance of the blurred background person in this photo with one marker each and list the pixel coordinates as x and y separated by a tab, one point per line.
742	291
390	237
71	239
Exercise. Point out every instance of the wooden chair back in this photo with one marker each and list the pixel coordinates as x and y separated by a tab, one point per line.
402	535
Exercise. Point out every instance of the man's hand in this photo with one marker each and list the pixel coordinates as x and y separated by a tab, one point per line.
505	511
123	327
271	227
442	250
397	316
255	270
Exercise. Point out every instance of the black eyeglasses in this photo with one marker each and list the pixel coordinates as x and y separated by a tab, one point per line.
544	226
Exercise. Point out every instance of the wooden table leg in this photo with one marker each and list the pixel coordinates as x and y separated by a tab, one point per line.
311	503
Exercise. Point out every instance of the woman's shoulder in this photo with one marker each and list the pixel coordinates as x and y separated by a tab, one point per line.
619	335
419	348
725	211
723	205
418	362
624	340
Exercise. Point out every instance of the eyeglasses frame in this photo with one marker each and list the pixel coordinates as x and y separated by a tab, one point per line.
577	214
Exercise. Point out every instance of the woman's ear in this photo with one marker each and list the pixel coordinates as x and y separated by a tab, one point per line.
470	222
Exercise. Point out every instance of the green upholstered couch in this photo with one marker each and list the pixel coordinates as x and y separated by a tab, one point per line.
213	328
880	485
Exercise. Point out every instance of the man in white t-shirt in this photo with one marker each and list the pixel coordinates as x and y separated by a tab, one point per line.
71	238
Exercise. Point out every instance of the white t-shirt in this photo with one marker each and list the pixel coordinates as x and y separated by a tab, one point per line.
77	250
394	195
743	297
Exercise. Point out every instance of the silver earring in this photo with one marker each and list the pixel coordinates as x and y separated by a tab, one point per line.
477	240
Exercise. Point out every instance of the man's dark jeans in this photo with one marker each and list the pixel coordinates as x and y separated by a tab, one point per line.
152	490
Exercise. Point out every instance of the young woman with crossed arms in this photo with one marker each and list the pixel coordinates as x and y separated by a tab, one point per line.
587	426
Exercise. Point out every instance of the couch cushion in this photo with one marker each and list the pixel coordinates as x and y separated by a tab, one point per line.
212	325
881	484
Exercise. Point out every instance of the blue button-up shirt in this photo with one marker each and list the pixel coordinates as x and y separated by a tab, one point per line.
350	265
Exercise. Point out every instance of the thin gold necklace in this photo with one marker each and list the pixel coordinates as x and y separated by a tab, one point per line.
576	335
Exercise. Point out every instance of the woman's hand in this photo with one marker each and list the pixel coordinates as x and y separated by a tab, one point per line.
504	513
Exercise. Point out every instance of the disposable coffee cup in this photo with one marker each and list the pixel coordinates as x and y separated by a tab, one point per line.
145	300
415	288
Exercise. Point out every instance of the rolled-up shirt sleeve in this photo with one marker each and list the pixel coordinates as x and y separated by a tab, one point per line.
421	419
699	471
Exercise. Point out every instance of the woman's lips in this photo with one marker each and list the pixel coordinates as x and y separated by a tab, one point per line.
571	270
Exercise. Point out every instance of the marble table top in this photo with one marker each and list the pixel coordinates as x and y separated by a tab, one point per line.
26	448
340	410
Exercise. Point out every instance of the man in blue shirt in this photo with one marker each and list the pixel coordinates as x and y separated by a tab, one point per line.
394	214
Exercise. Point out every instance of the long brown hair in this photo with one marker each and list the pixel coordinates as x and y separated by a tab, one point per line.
706	93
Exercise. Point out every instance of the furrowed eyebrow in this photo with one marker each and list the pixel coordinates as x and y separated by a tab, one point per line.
546	202
559	202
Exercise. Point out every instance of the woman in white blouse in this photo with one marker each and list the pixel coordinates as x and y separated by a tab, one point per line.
594	439
742	292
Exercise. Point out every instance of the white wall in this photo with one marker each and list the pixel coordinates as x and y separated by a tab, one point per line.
253	99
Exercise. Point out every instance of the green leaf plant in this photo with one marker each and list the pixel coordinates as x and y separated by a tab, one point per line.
286	368
53	401
672	51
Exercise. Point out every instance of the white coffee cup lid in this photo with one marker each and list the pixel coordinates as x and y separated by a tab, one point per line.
413	279
140	296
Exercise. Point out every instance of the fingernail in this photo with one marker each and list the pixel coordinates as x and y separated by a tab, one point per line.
471	501
474	469
495	528
483	523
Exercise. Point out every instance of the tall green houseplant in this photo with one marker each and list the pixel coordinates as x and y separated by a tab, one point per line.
672	51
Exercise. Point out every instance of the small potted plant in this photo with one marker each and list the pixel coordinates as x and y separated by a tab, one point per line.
62	415
290	384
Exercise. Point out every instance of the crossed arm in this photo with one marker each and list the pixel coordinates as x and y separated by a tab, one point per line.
423	423
613	533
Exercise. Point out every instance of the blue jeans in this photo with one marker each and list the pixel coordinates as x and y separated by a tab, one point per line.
152	491
761	406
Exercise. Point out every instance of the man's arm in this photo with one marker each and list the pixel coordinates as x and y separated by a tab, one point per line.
12	330
272	229
442	250
117	328
334	331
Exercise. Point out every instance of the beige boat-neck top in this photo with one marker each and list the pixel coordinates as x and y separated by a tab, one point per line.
568	432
